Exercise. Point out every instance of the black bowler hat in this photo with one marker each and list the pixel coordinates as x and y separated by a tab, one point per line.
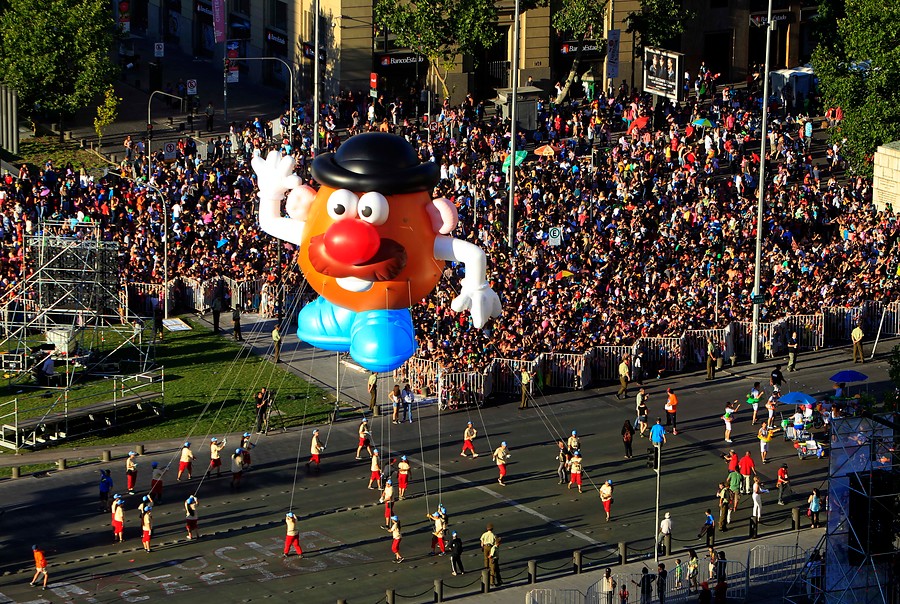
376	161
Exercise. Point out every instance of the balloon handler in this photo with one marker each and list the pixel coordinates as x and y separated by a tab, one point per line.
372	243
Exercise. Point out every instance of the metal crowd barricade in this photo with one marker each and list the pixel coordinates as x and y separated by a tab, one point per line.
144	297
554	596
810	330
696	345
604	362
840	320
507	375
423	375
567	371
662	355
190	289
462	389
891	324
775	563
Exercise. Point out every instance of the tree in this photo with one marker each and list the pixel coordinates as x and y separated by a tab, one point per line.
579	18
440	30
56	53
859	71
657	22
107	112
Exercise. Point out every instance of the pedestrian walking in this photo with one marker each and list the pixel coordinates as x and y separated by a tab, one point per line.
496	579
375	471
387	498
501	456
783	482
724	496
574	467
734	482
156	482
640	411
526	382
364	442
456	549
146	527
396	537
624	378
246	445
215	455
671	408
693	571
276	344
106	485
469	435
562	459
236	324
396	398
637	368
237	468
487	542
658	434
756	496
708	529
210	115
606	498
753	399
857	336
645	585
437	535
40	567
403	469
573	443
118	519
728	418
776	379
372	388
315	451
292	536
661	575
186	462
131	471
747	468
628	438
771	405
191	517
765	436
815	506
217	313
793	347
710	359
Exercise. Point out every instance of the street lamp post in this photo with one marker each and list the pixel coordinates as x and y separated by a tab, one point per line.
761	192
315	138
290	70
149	100
514	68
658	454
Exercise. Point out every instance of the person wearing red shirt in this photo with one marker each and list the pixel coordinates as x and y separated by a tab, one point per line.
783	483
672	410
747	468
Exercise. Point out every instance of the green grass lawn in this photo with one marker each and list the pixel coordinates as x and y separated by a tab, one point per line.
38	150
209	386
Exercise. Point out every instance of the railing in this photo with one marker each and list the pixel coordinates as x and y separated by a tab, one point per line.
507	374
604	362
7	415
569	371
776	563
462	389
677	586
662	355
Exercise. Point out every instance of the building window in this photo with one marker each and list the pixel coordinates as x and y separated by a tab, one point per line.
241	6
279	14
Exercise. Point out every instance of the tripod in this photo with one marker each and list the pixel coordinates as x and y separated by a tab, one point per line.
272	411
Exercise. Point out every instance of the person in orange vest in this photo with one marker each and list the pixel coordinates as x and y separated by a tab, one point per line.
40	566
672	410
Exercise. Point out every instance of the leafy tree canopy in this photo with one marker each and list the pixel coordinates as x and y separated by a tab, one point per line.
859	71
441	30
657	22
580	19
56	53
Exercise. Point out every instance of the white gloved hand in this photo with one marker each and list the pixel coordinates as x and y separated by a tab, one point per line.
480	299
275	175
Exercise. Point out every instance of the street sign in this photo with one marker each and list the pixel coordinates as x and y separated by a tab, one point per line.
373	93
192	87
758	298
169	151
159	49
555	236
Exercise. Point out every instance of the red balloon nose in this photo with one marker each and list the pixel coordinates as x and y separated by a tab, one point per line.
352	241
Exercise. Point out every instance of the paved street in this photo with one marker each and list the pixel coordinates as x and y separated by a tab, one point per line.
346	553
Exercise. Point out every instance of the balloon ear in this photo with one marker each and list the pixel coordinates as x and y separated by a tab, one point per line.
443	214
299	202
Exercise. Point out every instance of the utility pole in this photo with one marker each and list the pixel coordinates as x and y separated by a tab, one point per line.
315	141
514	68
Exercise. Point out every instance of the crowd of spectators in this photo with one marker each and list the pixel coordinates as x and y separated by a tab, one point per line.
657	216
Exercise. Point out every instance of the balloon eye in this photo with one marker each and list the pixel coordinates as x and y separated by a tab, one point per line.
373	208
342	205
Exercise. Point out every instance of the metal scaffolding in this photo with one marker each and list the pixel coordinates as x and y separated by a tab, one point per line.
69	306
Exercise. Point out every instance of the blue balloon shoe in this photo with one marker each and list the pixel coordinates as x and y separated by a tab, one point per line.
325	325
382	340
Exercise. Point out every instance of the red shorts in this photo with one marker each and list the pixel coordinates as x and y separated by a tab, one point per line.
363	442
191	524
607	505
388	509
376	475
395	546
246	459
118	526
439	541
467	446
145	537
314	458
184	466
215	463
237	475
576	478
403	480
156	487
502	468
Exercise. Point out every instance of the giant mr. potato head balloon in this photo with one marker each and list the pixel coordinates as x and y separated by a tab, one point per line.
372	243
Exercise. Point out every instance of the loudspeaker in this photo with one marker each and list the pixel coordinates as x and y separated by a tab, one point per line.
872	508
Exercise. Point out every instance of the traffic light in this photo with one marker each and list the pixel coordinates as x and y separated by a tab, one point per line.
227	64
149	132
652	458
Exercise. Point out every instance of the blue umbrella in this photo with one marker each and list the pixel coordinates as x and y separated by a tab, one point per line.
849	376
797	398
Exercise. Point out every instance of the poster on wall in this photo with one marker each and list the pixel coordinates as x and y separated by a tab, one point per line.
661	69
612	53
233	51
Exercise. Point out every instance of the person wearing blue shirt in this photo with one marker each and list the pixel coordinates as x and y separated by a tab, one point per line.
658	433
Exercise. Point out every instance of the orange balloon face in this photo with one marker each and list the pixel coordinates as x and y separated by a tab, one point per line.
367	251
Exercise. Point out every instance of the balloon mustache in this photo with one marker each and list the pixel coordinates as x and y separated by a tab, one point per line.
385	265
